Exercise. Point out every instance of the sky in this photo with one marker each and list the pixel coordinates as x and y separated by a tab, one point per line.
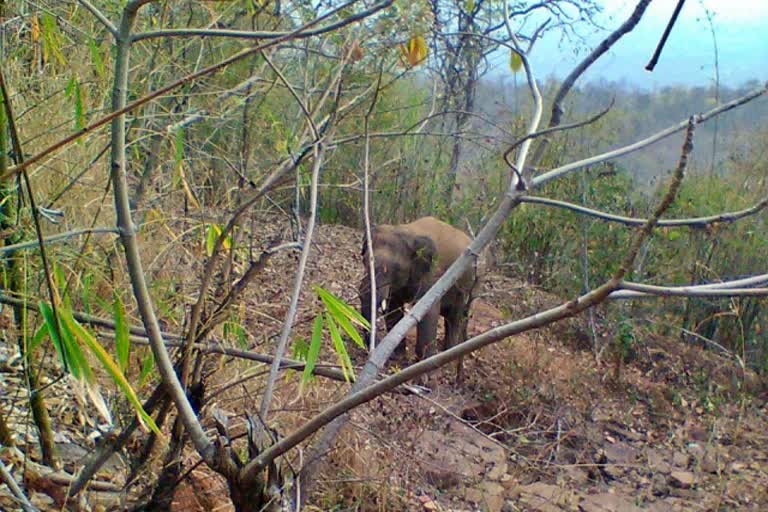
741	30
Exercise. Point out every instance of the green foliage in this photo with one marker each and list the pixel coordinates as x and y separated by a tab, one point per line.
122	339
337	317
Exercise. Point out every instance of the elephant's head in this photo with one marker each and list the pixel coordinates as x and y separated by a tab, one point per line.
403	264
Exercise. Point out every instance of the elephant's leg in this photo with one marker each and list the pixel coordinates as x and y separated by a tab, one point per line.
456	321
427	332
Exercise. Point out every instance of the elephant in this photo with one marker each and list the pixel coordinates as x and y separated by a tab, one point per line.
408	259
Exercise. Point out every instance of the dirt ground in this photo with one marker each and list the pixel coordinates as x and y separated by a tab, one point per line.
537	424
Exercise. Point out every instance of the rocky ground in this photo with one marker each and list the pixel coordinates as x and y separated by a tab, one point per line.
538	423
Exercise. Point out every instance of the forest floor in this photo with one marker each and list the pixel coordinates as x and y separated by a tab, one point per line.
537	424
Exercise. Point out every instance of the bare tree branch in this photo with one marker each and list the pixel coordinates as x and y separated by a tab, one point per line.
632	221
247	34
17	492
57	238
298	282
656	54
625	150
99	16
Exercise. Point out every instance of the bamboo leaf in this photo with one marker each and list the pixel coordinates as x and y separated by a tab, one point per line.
49	322
348	311
98	61
147	365
112	369
341	351
313	352
122	338
52	39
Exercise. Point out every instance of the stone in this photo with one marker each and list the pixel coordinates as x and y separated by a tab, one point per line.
544	497
682	479
681	460
606	502
656	462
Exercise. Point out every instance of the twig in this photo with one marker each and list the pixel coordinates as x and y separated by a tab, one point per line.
57	238
656	54
15	489
99	16
632	221
247	34
298	282
649	290
558	128
624	150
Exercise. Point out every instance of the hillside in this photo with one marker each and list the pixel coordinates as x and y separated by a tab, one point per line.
538	424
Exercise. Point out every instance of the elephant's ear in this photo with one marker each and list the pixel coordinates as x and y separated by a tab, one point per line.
423	253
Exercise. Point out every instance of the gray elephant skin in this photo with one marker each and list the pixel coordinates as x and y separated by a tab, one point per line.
408	259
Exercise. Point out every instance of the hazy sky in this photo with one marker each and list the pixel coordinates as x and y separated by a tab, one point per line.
741	29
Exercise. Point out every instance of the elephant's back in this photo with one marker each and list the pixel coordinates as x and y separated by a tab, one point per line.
449	241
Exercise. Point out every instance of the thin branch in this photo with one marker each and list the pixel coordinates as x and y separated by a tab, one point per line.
624	150
57	238
131	249
639	290
246	34
99	16
17	492
298	282
656	54
632	221
302	105
370	263
557	128
605	45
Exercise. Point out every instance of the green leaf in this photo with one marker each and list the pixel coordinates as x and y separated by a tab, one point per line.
470	6
341	351
178	147
98	61
38	338
673	234
212	233
313	352
349	312
122	338
299	349
49	322
112	369
52	39
515	61
147	365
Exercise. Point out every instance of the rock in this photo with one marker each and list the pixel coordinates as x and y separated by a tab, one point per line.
709	462
682	479
681	460
497	471
656	462
577	475
493	496
428	503
606	502
544	497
